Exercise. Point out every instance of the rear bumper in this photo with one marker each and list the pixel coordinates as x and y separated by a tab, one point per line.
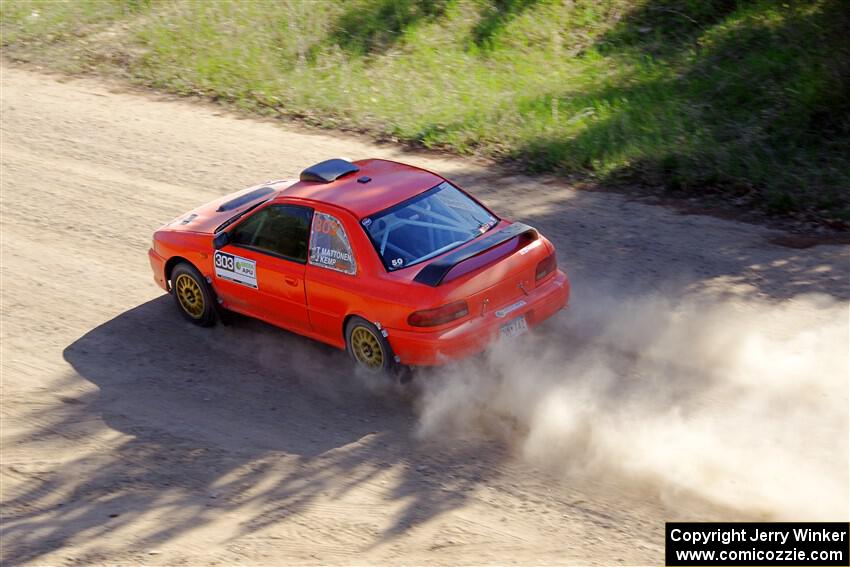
158	267
473	336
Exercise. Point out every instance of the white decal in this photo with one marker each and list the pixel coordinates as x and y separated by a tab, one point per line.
397	262
510	308
236	269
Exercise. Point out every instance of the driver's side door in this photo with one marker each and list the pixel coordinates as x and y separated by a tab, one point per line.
260	271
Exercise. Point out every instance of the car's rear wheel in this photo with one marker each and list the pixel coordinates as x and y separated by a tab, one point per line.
193	295
368	346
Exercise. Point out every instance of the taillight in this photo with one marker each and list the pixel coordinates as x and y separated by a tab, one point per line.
438	316
545	267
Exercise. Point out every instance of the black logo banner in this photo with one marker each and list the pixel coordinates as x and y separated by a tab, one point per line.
757	543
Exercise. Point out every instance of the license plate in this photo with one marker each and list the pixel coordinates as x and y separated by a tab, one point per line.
513	329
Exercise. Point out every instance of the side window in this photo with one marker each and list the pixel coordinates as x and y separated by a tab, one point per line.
279	229
329	246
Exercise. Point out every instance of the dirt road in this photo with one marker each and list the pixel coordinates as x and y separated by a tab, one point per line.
132	437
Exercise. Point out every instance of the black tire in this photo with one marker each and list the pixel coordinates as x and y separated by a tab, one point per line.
373	355
192	294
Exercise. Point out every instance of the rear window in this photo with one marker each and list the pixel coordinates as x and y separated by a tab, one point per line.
427	225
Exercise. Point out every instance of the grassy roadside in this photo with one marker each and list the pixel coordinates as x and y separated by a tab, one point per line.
745	101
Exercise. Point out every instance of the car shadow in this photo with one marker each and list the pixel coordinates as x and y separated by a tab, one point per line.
242	418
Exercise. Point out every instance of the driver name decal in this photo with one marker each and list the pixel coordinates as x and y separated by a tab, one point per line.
329	246
235	269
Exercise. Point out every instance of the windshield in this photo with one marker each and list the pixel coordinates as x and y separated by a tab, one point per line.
427	225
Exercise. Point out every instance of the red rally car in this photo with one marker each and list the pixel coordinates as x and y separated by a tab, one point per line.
393	263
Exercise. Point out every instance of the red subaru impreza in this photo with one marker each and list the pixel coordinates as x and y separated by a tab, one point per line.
391	262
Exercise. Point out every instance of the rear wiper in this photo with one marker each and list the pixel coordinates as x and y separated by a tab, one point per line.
238	216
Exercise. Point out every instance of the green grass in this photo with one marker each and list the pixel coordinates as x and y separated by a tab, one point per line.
740	99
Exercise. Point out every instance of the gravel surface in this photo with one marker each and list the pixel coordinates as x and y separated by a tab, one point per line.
132	437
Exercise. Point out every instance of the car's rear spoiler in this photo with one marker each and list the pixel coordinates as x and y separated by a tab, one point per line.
433	273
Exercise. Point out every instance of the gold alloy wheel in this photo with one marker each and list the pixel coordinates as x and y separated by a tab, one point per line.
367	349
189	295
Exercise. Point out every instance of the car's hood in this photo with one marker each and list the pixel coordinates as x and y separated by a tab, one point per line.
208	217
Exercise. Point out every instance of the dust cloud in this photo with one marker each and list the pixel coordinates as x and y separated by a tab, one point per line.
744	404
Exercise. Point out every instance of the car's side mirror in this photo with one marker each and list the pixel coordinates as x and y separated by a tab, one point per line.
221	239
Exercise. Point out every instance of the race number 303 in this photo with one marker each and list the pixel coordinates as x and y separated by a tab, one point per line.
235	268
224	261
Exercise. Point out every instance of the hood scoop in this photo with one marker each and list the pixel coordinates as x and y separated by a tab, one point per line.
244	199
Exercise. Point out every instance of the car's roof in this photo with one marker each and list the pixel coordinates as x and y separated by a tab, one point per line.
391	182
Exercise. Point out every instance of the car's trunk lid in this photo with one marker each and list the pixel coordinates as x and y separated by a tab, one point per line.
499	276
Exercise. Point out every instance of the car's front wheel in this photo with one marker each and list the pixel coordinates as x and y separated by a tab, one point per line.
368	346
193	295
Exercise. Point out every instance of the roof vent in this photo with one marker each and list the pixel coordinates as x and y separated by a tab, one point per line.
328	170
364	179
